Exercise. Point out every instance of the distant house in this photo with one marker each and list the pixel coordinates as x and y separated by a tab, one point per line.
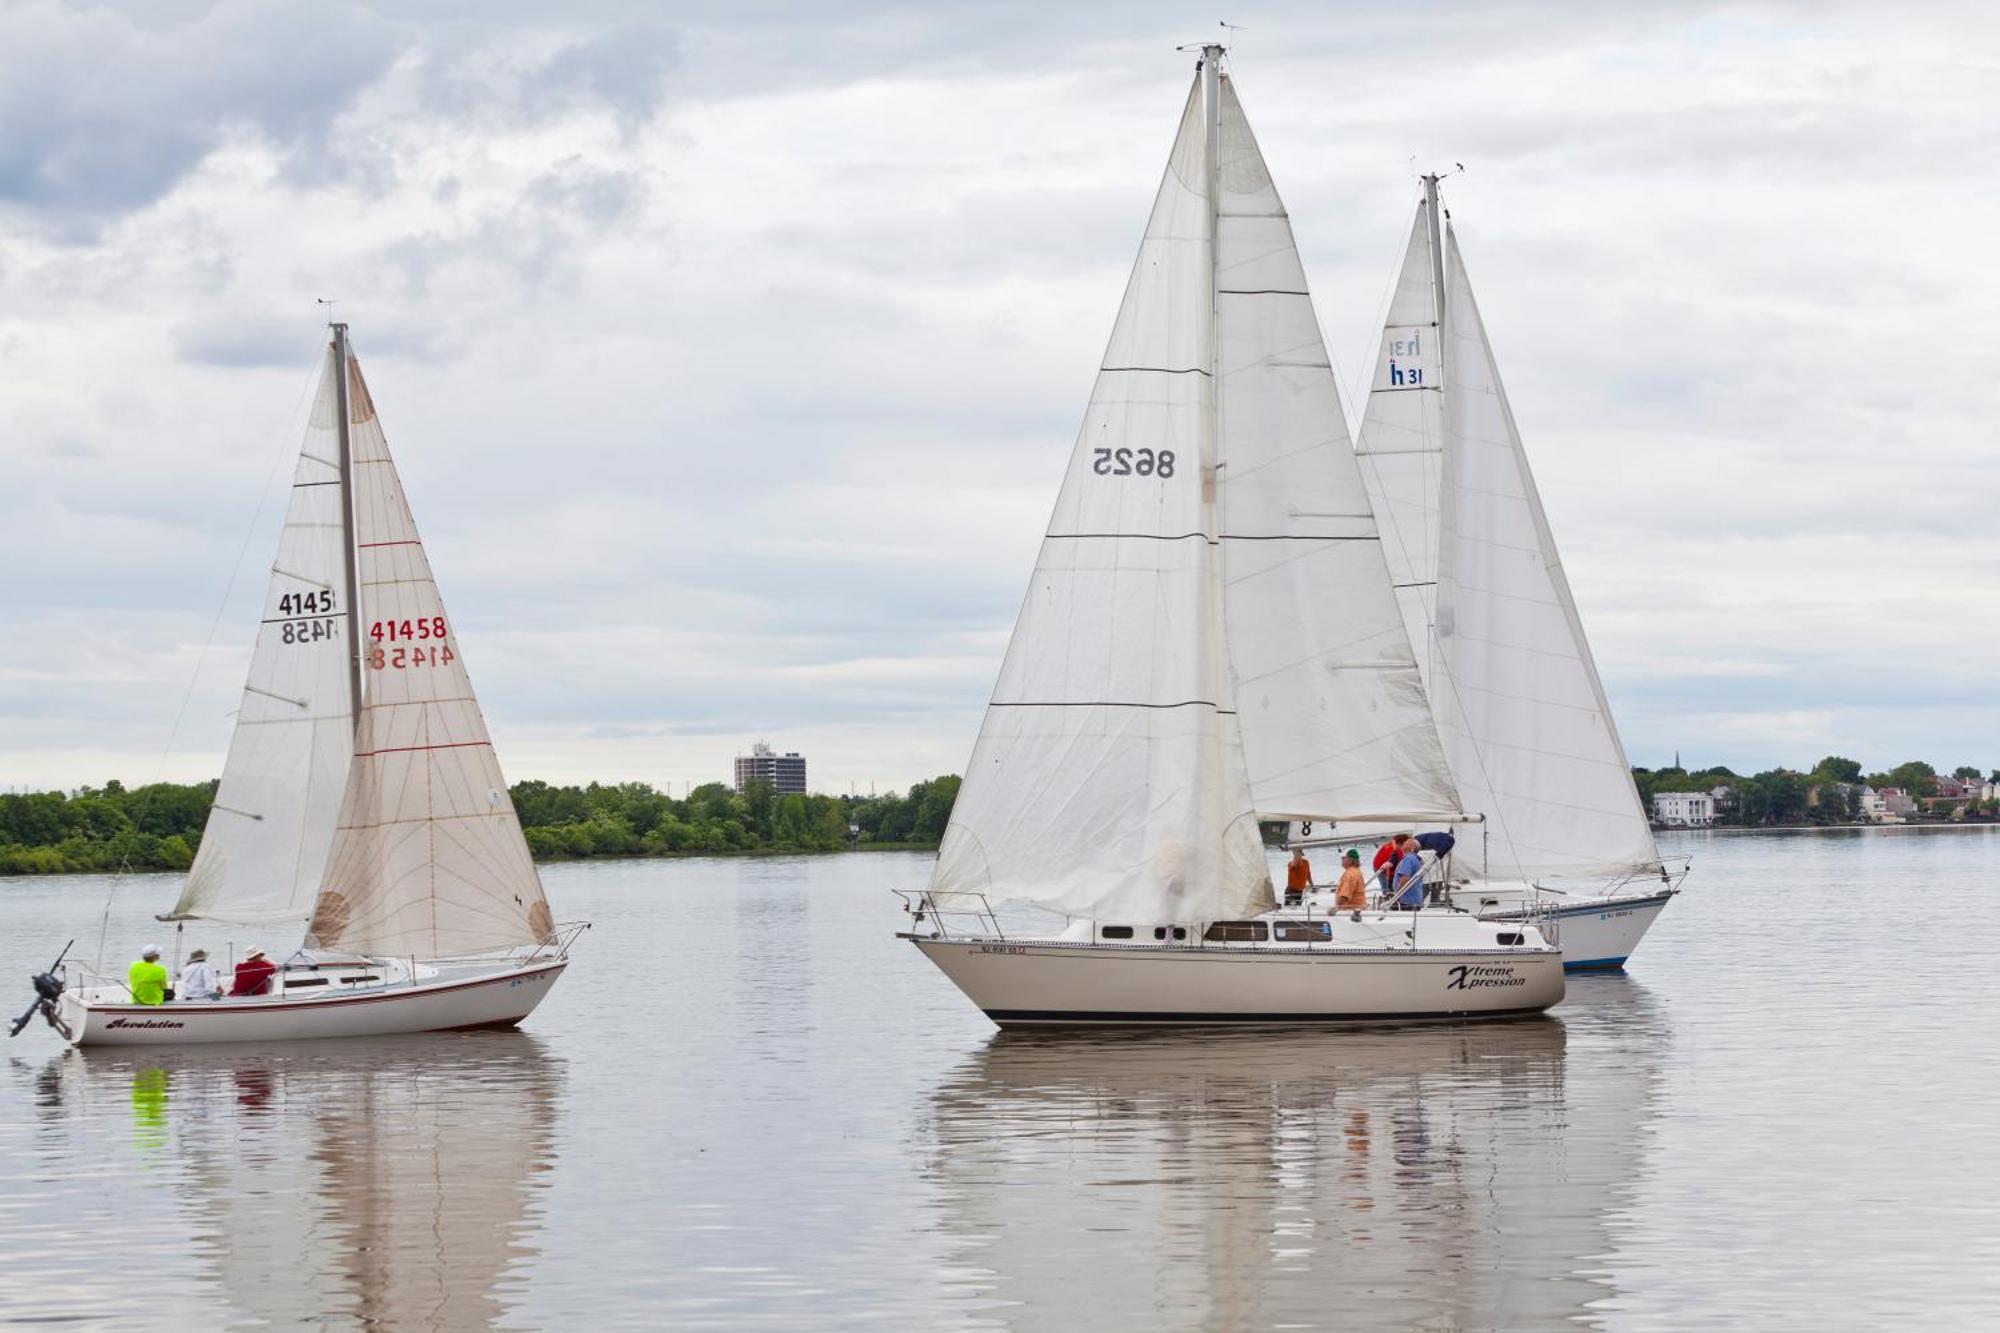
1954	789
1886	805
1684	809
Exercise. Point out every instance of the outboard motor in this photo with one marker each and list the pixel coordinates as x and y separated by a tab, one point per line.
48	989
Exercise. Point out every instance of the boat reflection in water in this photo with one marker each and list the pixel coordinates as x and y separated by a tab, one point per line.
368	1181
1465	1176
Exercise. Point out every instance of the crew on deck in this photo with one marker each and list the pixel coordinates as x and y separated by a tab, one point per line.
1351	894
253	975
198	979
1409	888
147	980
1386	857
1298	877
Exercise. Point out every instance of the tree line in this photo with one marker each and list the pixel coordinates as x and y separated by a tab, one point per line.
1829	793
158	826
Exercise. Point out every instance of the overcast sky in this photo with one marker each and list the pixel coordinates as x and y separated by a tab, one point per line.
732	357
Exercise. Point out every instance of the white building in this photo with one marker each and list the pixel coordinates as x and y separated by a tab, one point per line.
1684	809
1890	805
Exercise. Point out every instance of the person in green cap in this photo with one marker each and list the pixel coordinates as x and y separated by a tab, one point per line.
148	980
1352	893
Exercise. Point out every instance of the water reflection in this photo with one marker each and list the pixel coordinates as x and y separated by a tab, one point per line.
367	1182
1463	1176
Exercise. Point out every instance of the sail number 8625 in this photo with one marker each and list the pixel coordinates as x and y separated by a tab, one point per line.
1133	463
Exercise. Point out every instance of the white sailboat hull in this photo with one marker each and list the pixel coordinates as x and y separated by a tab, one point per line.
453	1000
1051	983
1597	934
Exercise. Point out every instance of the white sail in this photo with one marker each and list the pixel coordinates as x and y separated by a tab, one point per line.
1402	439
1210	633
265	845
1517	697
1331	707
1107	780
428	860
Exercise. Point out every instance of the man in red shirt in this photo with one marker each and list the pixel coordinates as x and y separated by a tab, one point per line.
1386	857
253	975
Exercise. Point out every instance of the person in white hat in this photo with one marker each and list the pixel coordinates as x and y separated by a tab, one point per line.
146	979
198	979
253	974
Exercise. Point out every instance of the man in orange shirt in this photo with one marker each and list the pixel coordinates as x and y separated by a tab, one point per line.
1352	894
1298	877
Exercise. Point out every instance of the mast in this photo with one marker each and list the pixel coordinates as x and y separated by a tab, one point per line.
343	415
1211	110
1437	265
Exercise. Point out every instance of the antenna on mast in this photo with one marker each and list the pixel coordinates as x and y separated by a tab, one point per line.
328	303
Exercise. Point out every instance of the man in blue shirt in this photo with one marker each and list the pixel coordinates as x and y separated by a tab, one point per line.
1409	880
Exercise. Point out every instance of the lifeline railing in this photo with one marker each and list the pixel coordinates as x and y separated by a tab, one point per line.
923	905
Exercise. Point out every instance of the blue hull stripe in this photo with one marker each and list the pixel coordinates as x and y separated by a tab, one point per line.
1594	965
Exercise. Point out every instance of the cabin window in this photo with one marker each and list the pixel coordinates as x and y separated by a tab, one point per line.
1509	937
1305	930
1115	933
296	983
1223	932
355	981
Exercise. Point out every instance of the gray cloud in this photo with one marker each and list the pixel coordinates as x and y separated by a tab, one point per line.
100	113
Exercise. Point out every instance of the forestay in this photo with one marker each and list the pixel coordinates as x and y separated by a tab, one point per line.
1211	551
1518	701
269	829
428	860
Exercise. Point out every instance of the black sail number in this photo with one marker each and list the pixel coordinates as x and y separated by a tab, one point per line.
1133	463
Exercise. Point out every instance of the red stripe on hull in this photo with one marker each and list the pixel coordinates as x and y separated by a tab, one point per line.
224	1009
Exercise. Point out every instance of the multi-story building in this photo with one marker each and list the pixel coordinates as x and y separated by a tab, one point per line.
1684	809
1887	805
785	772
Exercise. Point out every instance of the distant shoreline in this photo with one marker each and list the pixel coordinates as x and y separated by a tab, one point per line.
1831	828
540	862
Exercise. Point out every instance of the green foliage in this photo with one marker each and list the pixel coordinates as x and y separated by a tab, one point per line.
159	827
1916	777
633	819
108	828
1829	794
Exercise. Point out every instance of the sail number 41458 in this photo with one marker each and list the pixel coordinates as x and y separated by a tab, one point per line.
400	644
1133	463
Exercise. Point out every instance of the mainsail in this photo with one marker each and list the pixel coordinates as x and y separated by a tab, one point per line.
1516	694
1209	633
266	841
428	860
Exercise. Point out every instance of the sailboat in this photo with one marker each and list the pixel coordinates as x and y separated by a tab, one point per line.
1526	727
361	803
1210	640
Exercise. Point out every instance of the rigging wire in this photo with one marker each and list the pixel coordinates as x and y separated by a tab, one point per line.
291	433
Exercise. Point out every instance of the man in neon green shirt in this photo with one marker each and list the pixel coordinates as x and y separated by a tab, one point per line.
147	979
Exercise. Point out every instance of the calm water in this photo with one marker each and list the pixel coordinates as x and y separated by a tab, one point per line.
749	1106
